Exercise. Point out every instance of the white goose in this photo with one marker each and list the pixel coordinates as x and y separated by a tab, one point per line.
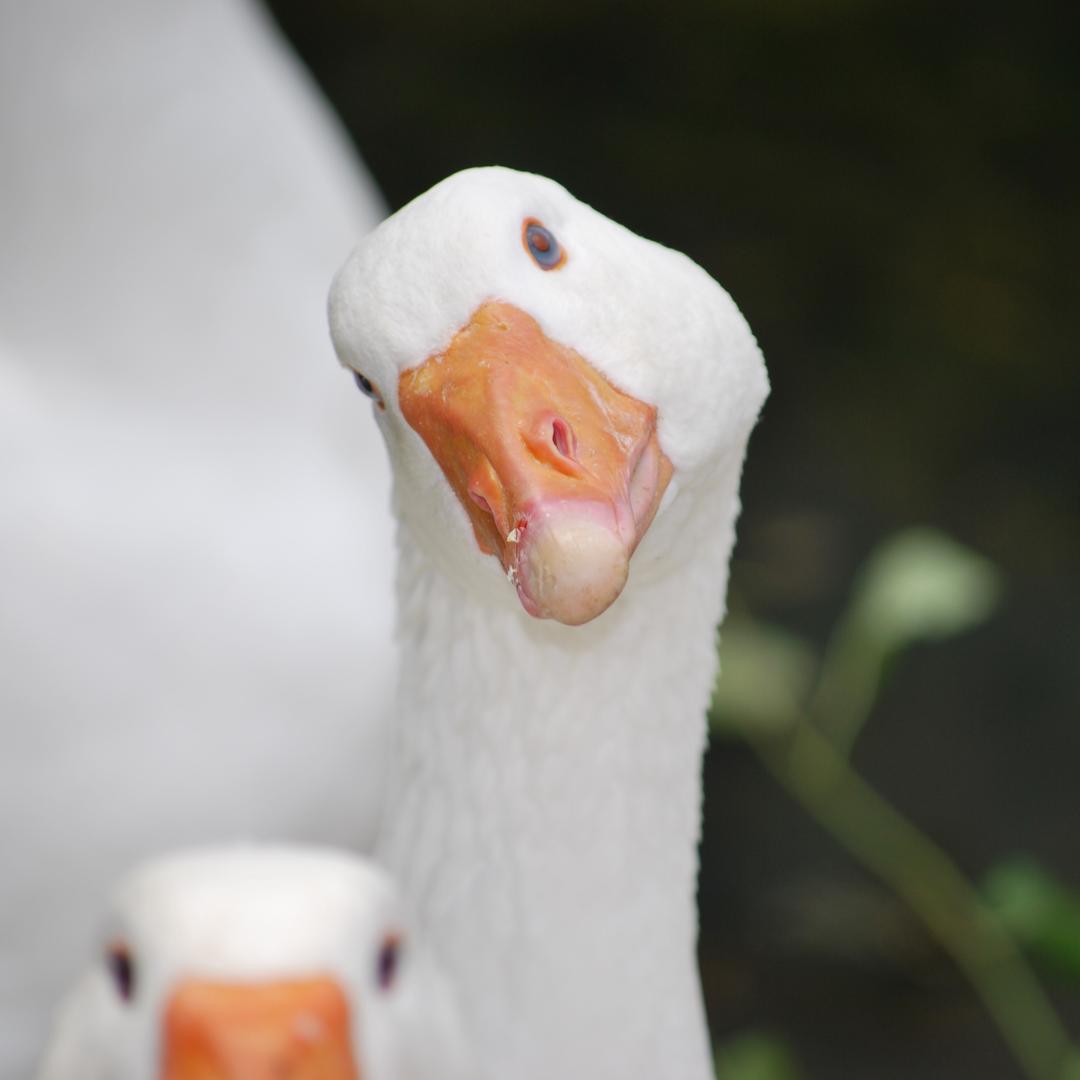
546	383
182	532
257	963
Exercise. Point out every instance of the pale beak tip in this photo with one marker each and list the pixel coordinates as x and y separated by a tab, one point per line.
573	569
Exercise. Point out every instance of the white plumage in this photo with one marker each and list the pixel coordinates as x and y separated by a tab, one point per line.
195	544
544	803
249	918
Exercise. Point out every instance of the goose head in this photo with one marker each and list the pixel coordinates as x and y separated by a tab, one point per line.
549	385
255	963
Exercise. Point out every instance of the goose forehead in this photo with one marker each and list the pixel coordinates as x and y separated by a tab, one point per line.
415	282
646	317
249	912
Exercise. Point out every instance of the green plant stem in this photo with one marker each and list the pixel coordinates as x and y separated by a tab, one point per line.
847	686
810	768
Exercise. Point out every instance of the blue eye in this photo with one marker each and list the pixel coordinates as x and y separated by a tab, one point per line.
542	246
369	388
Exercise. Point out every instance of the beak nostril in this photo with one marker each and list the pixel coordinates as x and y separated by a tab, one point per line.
562	435
481	502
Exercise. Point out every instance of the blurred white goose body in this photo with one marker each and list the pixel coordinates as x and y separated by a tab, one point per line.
183	533
253	963
539	389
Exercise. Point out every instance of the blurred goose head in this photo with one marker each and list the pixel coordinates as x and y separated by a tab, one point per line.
257	963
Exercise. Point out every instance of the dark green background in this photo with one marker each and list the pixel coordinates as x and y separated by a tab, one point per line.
890	192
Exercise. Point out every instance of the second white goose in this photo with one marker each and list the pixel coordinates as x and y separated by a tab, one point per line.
182	530
258	962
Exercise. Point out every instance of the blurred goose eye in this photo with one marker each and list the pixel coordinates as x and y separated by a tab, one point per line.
541	244
369	388
389	961
121	967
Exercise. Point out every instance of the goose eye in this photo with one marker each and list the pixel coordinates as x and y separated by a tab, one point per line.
369	388
389	961
121	967
541	244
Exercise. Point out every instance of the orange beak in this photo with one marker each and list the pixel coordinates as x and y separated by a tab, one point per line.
559	472
259	1031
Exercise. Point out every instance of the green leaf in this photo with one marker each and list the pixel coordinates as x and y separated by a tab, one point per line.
1040	912
765	675
918	585
755	1056
923	585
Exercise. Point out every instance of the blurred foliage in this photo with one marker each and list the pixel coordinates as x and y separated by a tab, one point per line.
765	678
755	1056
1040	912
920	585
917	586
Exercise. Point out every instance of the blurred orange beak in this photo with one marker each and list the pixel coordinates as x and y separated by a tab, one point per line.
259	1031
560	473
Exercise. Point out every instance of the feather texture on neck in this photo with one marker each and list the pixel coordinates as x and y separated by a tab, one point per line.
544	807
